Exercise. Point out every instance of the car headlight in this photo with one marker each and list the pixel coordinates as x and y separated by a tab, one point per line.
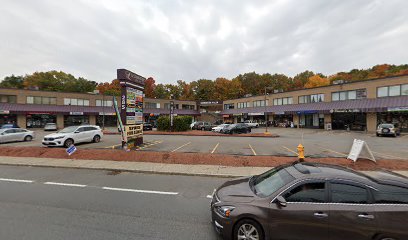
225	211
59	137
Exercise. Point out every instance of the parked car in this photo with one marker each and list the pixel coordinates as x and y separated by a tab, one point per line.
15	134
387	129
312	201
9	125
192	125
73	135
205	126
237	128
147	127
50	127
219	128
251	124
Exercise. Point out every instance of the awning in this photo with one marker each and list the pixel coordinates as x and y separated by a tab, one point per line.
161	111
364	105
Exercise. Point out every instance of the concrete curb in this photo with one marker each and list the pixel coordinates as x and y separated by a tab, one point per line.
142	167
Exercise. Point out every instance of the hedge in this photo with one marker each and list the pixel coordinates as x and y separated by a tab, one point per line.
180	123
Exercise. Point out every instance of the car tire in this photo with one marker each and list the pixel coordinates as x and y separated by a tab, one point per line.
242	228
28	138
377	134
96	139
68	142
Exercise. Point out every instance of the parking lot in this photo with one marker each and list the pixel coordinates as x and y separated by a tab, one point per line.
317	143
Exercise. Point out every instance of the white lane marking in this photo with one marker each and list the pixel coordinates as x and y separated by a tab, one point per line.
339	153
253	151
16	180
215	148
290	150
181	147
139	191
65	184
209	196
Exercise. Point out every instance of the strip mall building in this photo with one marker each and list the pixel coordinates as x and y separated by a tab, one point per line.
360	105
33	109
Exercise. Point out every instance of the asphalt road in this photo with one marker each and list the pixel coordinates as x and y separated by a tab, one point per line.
317	143
34	204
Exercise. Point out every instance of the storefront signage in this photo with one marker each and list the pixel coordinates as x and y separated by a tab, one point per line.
210	102
133	131
397	109
344	110
256	114
225	116
107	113
237	114
307	112
76	113
4	111
131	112
279	113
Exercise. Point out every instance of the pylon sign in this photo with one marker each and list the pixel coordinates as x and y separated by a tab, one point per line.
131	106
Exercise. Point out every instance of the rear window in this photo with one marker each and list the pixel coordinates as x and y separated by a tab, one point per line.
388	194
387	126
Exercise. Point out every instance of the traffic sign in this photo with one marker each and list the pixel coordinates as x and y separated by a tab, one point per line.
70	150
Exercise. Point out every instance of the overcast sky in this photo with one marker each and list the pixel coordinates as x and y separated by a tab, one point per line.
189	40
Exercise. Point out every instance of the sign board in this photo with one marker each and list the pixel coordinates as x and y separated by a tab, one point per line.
210	102
357	148
131	103
107	113
279	113
344	110
4	111
225	116
256	114
133	131
76	113
71	149
397	109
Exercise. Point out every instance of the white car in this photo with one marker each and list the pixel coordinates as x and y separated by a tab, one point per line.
251	124
73	135
219	127
15	134
192	125
50	127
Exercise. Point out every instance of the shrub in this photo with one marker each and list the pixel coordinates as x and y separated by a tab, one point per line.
180	123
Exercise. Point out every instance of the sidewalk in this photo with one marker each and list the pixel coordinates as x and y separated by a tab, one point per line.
142	167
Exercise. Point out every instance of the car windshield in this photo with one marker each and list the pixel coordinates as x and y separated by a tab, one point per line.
68	129
50	124
7	126
387	126
269	182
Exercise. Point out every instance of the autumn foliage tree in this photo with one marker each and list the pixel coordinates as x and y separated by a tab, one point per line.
111	89
317	81
150	87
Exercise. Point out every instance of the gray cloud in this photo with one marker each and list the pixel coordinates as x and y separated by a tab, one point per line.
188	40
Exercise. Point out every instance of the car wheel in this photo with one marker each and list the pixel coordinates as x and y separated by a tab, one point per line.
28	138
68	142
248	229
377	134
97	139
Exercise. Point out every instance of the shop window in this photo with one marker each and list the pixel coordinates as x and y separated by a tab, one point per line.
78	102
394	90
86	102
311	98
336	96
150	105
37	100
189	107
53	101
343	96
404	89
290	100
352	95
229	106
382	92
30	100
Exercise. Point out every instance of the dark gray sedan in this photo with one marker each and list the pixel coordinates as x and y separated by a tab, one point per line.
312	201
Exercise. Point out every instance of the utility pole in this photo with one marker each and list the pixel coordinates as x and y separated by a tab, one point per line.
266	116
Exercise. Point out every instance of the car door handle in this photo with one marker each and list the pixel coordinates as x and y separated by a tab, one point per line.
366	216
320	215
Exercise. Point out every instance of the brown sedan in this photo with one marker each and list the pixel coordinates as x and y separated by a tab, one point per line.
313	201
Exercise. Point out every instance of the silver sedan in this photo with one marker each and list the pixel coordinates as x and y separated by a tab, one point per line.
15	134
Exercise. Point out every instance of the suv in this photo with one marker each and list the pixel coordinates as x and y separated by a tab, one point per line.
387	129
312	201
251	124
236	128
72	135
205	126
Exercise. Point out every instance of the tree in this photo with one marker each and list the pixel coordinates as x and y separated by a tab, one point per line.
186	90
203	89
112	89
149	87
301	79
317	81
12	82
161	92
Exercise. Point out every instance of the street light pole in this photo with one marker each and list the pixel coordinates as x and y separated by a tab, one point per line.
266	116
103	109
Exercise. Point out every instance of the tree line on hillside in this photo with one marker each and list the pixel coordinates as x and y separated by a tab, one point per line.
219	89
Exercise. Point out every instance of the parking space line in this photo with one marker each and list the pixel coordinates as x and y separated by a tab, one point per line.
139	191
181	147
290	150
65	184
215	148
253	151
387	155
113	146
16	180
339	153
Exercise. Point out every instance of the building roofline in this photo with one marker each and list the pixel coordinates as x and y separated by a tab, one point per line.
331	85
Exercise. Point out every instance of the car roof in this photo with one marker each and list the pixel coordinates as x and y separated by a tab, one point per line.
328	171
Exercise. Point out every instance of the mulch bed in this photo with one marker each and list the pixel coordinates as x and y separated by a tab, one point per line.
193	158
201	133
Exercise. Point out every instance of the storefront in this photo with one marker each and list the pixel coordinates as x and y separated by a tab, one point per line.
282	119
6	117
312	119
351	119
227	118
257	117
38	120
75	119
106	119
396	115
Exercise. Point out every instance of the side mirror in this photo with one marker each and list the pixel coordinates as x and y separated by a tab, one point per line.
281	201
